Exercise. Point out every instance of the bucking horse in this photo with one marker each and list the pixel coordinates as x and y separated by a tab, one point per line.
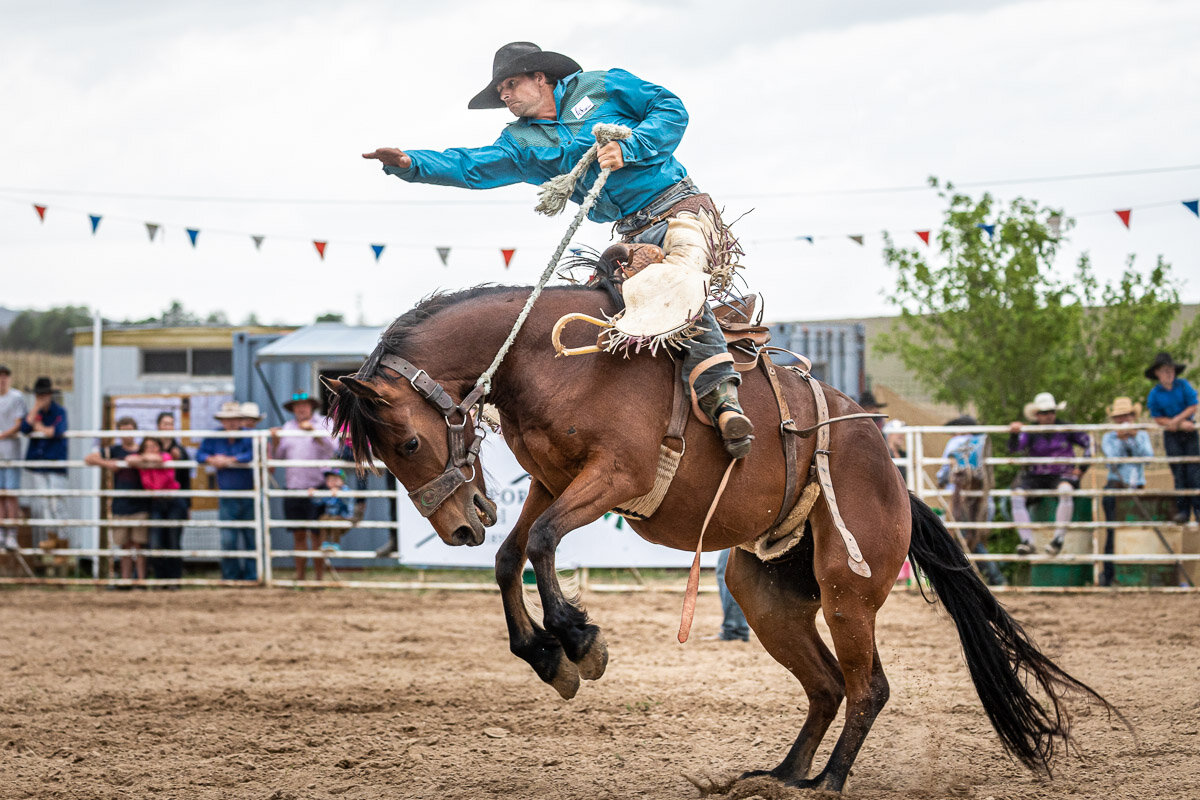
589	431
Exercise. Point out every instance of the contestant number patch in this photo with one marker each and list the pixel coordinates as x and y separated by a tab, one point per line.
582	108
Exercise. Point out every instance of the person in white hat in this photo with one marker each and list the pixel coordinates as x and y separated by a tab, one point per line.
1062	478
229	456
1128	442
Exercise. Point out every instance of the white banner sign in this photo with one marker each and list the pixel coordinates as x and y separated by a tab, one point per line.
607	542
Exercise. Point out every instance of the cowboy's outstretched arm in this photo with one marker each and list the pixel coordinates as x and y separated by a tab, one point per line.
390	157
499	164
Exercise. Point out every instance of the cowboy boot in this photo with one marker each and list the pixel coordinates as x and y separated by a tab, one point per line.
722	407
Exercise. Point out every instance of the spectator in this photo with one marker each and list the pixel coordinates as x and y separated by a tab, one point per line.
120	458
303	408
1062	478
872	406
46	426
733	621
1129	442
170	508
966	470
333	508
1172	403
12	411
228	455
155	478
894	436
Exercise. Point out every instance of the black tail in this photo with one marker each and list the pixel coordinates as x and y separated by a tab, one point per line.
999	654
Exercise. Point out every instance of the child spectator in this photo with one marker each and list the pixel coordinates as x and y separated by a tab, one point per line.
966	470
1172	403
1062	478
175	508
333	508
1129	442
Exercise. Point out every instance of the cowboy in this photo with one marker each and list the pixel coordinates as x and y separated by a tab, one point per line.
1126	442
1061	478
658	212
1172	404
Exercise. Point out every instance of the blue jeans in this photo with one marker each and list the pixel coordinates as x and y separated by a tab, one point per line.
237	509
733	626
1187	476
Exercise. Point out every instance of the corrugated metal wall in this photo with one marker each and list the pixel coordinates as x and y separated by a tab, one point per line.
837	352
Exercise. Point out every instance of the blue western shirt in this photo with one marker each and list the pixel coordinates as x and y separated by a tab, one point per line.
536	150
1135	447
49	448
1163	403
231	478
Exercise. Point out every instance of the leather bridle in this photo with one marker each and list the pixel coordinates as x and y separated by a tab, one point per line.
429	498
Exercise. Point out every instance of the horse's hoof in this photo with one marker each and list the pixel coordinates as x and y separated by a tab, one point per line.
566	678
592	663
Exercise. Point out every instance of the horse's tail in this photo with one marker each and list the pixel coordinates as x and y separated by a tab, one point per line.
999	653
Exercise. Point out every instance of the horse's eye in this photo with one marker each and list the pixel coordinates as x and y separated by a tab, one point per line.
411	446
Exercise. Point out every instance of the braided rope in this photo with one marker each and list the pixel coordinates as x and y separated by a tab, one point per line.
604	134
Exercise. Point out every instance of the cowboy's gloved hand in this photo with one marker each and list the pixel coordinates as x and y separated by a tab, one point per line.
391	157
610	156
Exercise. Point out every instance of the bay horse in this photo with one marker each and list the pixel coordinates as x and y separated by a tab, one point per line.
588	429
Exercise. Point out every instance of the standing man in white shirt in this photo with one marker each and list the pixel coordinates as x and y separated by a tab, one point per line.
12	411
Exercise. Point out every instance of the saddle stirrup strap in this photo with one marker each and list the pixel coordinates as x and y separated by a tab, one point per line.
697	371
693	584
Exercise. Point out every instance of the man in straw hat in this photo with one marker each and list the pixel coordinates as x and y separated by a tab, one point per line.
1127	442
1061	478
673	240
1172	404
229	456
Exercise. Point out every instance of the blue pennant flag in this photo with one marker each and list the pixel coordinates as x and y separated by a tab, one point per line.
808	239
378	248
192	234
991	229
1193	206
95	218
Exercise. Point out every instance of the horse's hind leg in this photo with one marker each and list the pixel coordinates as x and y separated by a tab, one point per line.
781	601
526	639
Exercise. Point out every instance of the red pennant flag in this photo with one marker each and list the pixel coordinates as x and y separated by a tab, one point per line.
924	236
41	211
1124	215
856	238
320	248
508	254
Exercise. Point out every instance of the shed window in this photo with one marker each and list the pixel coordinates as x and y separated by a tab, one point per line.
212	362
164	362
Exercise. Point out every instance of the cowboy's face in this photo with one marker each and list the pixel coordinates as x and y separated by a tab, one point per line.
1165	374
523	94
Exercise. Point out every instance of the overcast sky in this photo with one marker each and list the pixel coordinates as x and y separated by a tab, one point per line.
249	118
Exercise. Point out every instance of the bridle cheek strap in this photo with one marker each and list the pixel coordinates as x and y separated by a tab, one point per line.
429	498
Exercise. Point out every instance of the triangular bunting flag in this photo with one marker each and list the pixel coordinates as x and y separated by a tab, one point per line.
192	234
1192	206
258	240
1124	215
151	229
41	211
1055	223
924	236
808	239
95	218
378	248
443	254
856	238
320	248
508	254
989	229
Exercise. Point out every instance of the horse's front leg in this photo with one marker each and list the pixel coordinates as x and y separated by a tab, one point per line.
526	639
596	490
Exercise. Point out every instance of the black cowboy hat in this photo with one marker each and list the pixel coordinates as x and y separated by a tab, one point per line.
1160	360
43	385
867	400
516	58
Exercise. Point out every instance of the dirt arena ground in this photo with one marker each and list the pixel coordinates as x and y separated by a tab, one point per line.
279	695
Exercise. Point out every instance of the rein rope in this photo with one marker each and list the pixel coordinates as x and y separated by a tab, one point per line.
554	194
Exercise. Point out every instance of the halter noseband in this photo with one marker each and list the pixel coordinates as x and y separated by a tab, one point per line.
430	497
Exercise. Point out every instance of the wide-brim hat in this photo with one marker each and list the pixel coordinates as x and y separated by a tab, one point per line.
43	385
516	58
1163	359
250	411
1043	401
867	400
1122	406
230	409
300	397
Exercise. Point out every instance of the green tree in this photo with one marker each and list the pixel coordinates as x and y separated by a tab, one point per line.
46	331
992	323
332	316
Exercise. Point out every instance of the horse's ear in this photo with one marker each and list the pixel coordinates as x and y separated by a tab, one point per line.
363	390
334	385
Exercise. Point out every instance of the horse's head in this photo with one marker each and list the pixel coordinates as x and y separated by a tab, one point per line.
386	418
